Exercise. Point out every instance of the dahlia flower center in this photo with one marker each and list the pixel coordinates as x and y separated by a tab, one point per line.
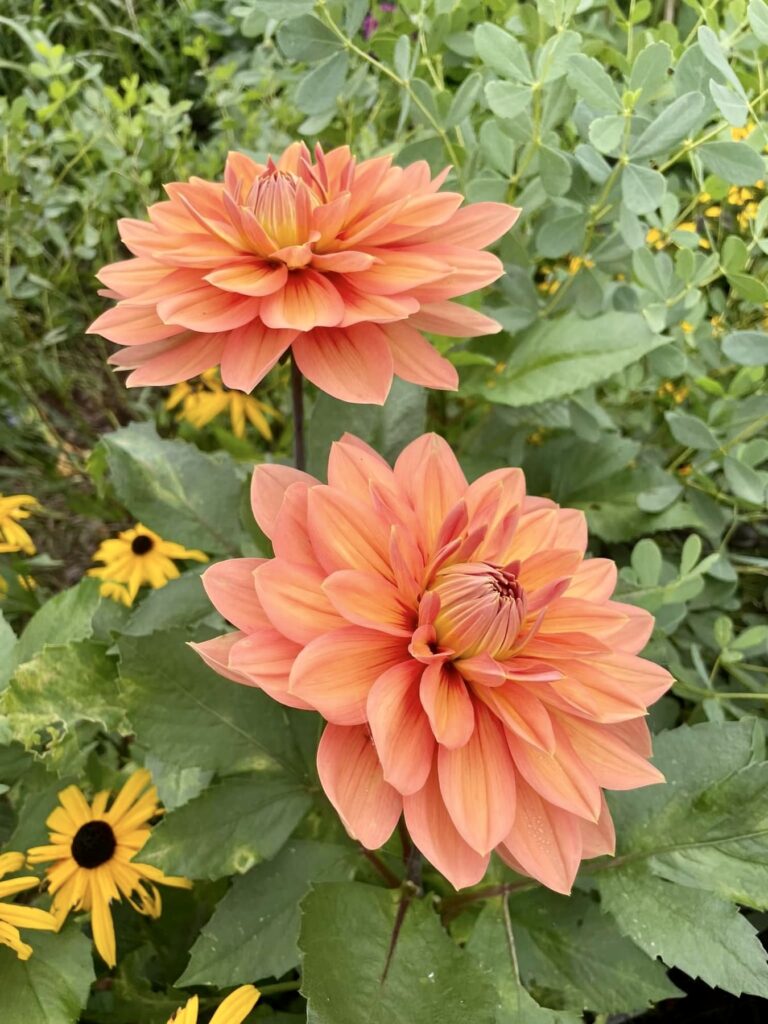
482	608
274	200
94	844
142	544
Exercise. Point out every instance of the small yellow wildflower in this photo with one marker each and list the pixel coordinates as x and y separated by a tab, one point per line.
655	237
747	214
575	263
25	582
739	196
233	1010
685	470
737	134
92	849
713	211
14	537
681	393
13	916
202	404
536	438
686	327
136	557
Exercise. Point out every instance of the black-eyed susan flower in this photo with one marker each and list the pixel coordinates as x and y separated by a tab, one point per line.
202	404
13	536
136	557
13	916
233	1010
92	847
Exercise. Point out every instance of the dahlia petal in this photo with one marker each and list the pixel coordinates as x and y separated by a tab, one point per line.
400	729
594	580
208	309
474	226
444	697
352	465
265	658
543	567
559	777
453	320
328	219
482	669
376	309
434	833
535	532
471	270
613	687
635	733
215	653
290	536
335	672
240	172
598	837
353	781
348	262
186	356
130	278
545	840
574	615
419	212
612	762
521	713
307	300
415	360
254	279
477	782
231	590
400	270
294	601
430	475
353	364
129	324
249	354
177	249
365	599
269	483
636	632
346	533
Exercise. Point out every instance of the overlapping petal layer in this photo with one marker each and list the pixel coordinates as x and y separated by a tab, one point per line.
472	667
343	262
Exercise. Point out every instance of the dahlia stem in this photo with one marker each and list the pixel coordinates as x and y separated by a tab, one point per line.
297	400
378	864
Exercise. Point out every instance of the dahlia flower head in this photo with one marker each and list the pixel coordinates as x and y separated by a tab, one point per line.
473	670
344	263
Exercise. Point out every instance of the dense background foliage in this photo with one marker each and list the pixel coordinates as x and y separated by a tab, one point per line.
629	381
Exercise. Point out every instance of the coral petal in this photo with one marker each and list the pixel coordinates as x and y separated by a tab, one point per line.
232	591
353	364
400	729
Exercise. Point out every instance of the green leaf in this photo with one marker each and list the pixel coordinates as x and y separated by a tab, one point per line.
747	348
52	986
565	355
593	83
593	163
306	38
734	162
748	287
67	616
250	816
319	90
731	105
605	133
673	124
346	933
745	482
491	945
7	644
649	71
710	47
63	685
642	189
690	431
562	233
552	59
506	99
699	933
554	171
565	944
464	99
159	482
758	19
230	950
181	602
502	53
646	561
188	715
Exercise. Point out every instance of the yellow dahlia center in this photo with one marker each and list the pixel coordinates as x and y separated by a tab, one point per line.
94	844
482	608
274	200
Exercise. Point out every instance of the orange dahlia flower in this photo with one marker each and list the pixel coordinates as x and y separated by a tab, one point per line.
473	670
345	263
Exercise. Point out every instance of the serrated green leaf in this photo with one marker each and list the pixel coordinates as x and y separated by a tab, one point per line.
346	933
52	986
255	928
251	817
68	616
319	90
182	602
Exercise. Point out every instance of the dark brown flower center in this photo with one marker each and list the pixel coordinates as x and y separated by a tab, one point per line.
94	844
142	544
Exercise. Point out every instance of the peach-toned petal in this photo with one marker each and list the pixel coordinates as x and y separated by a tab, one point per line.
594	580
353	466
453	320
269	483
478	784
130	324
354	364
521	712
400	270
265	658
232	591
430	475
545	840
598	837
365	599
482	669
290	535
207	309
415	360
254	279
373	309
307	300
215	653
346	533
168	362
294	600
336	671
613	763
129	278
449	707
353	781
474	226
434	833
249	354
559	776
636	632
400	729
